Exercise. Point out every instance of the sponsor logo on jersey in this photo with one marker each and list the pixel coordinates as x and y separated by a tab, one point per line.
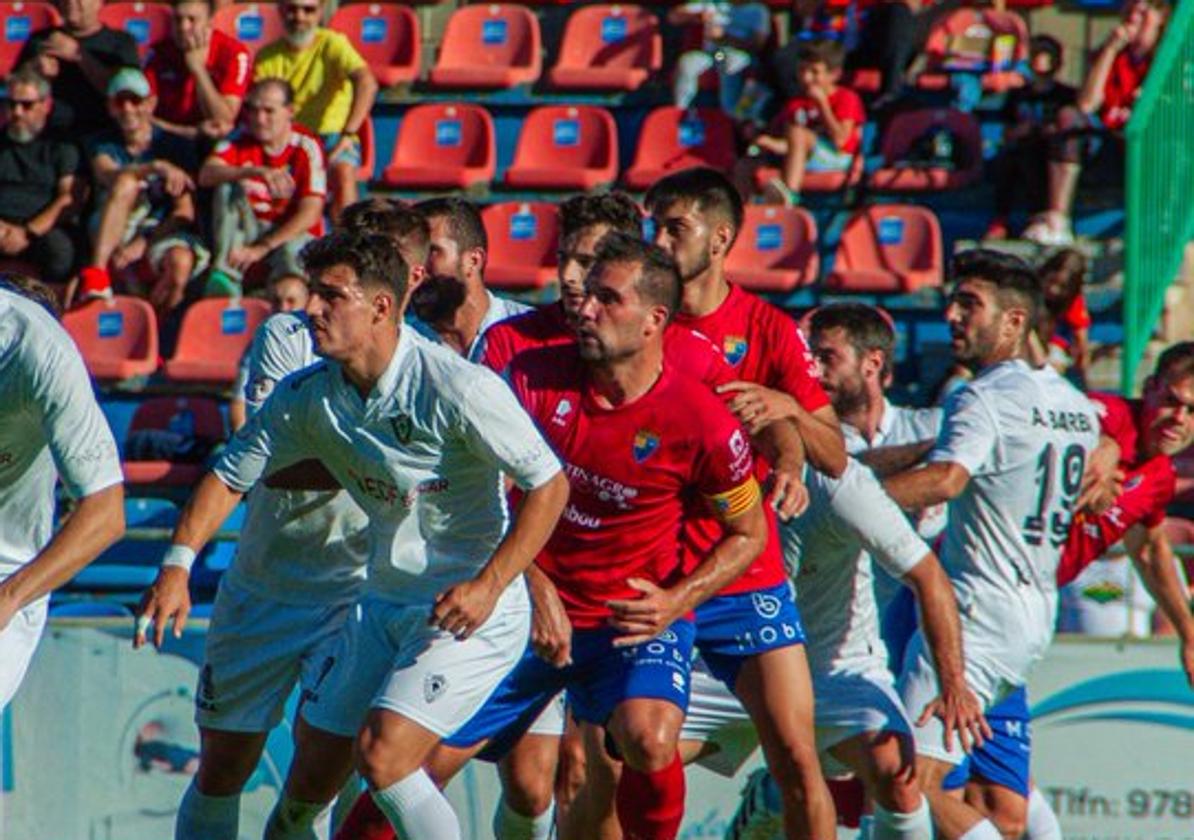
563	409
402	426
1133	483
645	444
434	686
767	606
668	636
678	681
582	520
734	347
605	489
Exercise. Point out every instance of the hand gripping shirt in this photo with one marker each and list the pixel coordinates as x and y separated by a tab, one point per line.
422	455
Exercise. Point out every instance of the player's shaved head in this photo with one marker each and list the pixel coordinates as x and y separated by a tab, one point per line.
1015	281
710	191
372	257
406	227
615	210
658	282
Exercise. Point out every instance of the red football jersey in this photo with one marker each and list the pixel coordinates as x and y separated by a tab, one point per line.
1118	420
546	326
845	104
302	156
1122	88
228	64
763	345
633	471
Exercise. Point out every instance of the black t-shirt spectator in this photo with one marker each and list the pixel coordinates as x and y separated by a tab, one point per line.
29	174
79	108
1041	107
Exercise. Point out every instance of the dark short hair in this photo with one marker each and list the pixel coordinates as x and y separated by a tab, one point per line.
1071	264
273	82
1050	46
32	289
822	51
865	327
372	257
211	5
464	221
1011	276
615	209
406	227
710	190
658	280
1177	362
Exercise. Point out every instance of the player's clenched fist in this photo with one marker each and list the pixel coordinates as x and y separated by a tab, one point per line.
168	598
551	631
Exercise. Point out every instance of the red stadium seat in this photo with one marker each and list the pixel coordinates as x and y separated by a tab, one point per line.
118	338
673	138
213	337
19	21
489	45
523	240
147	23
608	48
983	41
449	146
368	151
908	130
819	182
565	147
776	250
204	422
888	248
387	37
253	24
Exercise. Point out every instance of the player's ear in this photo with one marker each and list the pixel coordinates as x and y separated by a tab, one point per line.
720	238
474	260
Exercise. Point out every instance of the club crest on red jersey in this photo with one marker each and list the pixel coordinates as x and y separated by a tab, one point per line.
645	444
734	347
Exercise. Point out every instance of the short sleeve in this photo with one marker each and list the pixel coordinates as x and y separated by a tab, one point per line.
862	505
969	433
496	428
343	55
234	70
498	350
796	370
848	106
225	152
66	159
1077	315
724	469
273	436
272	356
308	169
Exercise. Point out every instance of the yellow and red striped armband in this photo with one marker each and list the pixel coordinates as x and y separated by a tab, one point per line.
737	501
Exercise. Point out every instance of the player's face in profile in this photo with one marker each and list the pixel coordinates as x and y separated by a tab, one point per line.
575	259
442	289
1168	415
685	233
340	313
612	321
840	369
975	319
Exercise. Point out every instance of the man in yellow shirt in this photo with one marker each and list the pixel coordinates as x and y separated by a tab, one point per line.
333	89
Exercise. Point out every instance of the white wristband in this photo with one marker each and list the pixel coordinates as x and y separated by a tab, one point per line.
181	556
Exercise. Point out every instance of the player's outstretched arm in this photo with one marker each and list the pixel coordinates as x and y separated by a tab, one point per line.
885	461
465	607
957	706
97	522
919	488
1150	550
757	406
169	598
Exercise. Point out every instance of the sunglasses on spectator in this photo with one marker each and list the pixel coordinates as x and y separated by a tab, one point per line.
21	104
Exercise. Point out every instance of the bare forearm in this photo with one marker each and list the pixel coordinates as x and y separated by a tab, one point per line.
780	443
190	132
1091	95
823	442
364	92
212	103
1155	562
744	539
214	174
535	520
920	488
885	461
43	222
205	511
939	618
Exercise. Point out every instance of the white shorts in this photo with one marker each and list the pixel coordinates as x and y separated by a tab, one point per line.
257	650
918	687
850	703
552	719
18	641
392	659
716	717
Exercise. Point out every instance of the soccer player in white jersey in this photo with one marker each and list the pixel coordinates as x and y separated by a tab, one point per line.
299	568
50	428
1009	460
419	438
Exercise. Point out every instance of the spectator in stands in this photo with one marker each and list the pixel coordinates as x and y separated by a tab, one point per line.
1064	331
270	190
200	74
819	130
1104	106
39	183
145	200
333	89
1028	115
78	58
731	35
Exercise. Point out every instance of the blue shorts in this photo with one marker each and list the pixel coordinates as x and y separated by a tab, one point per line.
600	677
1003	758
732	628
351	155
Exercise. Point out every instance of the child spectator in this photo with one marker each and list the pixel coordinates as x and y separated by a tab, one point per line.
731	35
1062	278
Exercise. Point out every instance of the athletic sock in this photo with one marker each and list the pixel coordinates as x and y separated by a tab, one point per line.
651	805
911	825
293	820
508	824
1042	822
365	822
417	809
983	830
202	817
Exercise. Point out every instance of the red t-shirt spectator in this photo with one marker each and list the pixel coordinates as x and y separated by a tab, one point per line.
845	104
228	63
1122	87
302	156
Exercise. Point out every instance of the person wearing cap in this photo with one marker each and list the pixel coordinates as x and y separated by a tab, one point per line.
39	181
145	200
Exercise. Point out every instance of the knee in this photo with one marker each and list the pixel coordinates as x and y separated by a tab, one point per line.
647	748
795	767
530	793
896	789
178	262
1010	819
125	188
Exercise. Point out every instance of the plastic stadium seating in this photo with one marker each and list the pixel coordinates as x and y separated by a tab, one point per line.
213	337
118	338
910	128
565	147
608	48
387	37
674	138
449	146
888	248
776	250
523	239
147	23
19	21
490	45
982	41
253	24
200	416
819	182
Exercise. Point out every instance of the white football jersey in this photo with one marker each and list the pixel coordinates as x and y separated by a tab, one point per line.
828	551
499	310
295	547
1024	436
50	427
422	454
